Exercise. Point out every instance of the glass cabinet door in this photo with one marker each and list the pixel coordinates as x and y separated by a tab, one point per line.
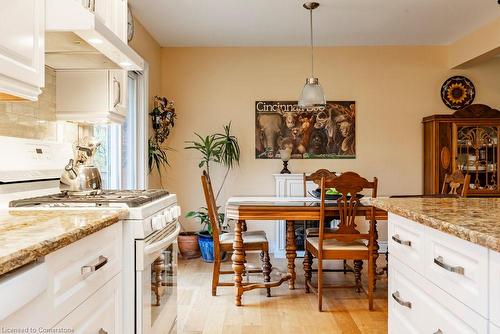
477	155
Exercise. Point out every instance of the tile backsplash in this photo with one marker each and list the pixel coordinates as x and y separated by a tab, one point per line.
37	119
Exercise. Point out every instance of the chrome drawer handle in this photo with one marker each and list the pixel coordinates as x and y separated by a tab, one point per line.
102	331
401	302
395	237
438	332
94	267
454	269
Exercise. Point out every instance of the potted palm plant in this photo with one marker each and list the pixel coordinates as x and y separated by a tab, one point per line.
219	148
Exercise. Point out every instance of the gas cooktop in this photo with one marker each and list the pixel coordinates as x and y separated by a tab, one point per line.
131	198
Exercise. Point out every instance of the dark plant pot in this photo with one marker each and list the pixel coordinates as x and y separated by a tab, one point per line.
206	243
188	245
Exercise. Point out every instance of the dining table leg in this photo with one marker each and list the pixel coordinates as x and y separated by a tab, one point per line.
238	259
291	252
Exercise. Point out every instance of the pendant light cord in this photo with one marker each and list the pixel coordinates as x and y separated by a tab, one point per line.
312	47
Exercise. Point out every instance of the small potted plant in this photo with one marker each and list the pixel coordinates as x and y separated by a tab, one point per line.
220	148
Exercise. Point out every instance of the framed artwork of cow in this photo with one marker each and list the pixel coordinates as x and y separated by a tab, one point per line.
318	133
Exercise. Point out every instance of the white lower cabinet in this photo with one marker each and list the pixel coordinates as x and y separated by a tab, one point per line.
439	283
422	307
100	314
81	288
495	289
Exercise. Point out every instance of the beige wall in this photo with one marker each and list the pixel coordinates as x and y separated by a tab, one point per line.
394	87
149	49
476	47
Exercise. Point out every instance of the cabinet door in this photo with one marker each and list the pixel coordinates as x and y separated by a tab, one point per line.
22	47
104	11
101	313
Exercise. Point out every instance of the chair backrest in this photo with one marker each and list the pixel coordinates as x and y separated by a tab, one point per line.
212	210
455	181
347	183
316	178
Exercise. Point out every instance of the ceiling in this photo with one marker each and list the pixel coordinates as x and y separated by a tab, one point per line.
337	22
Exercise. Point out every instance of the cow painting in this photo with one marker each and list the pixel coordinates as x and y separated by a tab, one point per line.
319	133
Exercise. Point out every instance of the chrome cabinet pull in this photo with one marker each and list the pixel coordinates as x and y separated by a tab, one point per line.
396	238
438	331
400	301
94	267
118	99
454	269
102	331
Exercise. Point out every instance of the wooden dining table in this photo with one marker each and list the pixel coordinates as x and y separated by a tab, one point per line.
290	209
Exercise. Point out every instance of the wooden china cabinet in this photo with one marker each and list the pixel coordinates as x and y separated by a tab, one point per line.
467	141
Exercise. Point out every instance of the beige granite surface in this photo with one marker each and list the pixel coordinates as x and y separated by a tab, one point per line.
26	235
473	219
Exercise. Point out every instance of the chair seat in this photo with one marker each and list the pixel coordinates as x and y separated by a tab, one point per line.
332	244
249	237
314	231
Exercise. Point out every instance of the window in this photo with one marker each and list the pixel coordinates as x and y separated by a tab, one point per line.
120	157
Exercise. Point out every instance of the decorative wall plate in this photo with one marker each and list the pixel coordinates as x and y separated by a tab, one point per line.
458	92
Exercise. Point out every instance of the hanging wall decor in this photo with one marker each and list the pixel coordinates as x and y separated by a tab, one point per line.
458	92
315	133
163	117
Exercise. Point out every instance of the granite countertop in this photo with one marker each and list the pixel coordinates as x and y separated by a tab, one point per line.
473	219
26	235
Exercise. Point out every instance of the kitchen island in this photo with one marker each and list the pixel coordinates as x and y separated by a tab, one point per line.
444	264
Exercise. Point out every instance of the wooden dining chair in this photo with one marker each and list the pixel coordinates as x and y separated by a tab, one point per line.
453	182
314	231
346	242
223	242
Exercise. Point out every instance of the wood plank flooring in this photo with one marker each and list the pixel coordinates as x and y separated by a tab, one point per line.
345	310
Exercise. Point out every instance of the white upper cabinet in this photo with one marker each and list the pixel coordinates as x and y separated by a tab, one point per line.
91	96
102	24
22	48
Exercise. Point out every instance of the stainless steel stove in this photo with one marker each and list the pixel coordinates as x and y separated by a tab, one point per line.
126	198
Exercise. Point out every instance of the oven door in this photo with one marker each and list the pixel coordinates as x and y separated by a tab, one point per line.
156	282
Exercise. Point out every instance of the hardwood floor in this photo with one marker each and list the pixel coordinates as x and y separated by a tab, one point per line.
345	310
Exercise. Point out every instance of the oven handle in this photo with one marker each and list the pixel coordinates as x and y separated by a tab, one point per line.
156	246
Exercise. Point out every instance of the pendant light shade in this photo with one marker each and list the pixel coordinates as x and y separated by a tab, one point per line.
312	94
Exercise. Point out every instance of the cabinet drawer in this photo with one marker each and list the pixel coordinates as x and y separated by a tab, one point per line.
459	268
495	288
435	311
101	313
405	304
406	241
80	269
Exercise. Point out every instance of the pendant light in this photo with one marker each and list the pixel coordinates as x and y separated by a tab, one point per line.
312	93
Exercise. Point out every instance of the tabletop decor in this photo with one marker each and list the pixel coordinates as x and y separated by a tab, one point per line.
285	155
458	92
316	133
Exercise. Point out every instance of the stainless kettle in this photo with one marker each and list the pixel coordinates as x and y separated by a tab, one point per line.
79	179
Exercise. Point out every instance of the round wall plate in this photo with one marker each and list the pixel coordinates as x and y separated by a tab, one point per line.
458	92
